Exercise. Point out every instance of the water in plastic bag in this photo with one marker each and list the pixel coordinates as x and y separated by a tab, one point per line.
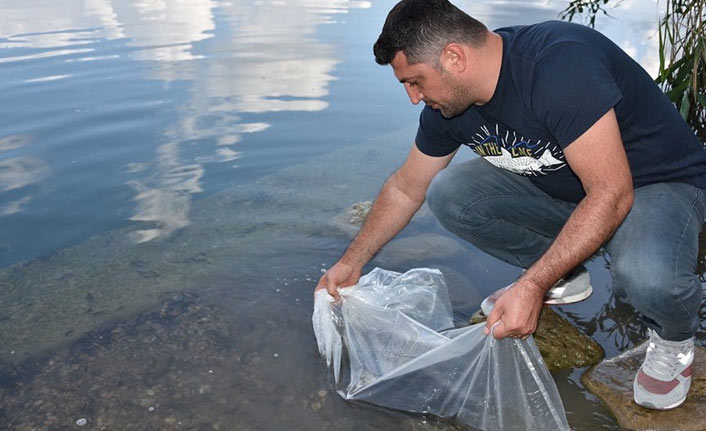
396	331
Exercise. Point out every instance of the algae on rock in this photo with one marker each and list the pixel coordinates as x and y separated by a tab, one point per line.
560	343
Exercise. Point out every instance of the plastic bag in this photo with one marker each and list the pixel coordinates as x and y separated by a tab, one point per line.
403	353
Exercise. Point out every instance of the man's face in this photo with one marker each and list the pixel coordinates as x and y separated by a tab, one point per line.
437	88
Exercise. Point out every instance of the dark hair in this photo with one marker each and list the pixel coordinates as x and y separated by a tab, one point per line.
421	29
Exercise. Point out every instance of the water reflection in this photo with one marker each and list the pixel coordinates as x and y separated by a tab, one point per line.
14	207
18	172
264	57
269	61
163	30
14	142
240	58
164	199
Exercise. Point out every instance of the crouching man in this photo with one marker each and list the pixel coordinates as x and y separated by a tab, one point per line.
579	149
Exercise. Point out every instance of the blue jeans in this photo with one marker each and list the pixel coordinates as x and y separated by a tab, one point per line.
653	253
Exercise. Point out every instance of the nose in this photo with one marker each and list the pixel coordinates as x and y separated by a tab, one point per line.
415	96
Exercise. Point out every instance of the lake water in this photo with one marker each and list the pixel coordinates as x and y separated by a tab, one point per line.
169	170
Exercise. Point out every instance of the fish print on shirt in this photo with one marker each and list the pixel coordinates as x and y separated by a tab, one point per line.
517	154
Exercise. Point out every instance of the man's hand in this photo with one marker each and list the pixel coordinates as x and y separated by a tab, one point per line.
398	200
339	275
517	310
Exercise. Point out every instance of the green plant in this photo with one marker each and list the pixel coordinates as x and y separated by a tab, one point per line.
682	61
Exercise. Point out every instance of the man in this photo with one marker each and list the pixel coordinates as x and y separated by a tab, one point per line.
579	150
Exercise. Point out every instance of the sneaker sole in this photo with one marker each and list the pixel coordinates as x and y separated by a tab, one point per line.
570	299
649	405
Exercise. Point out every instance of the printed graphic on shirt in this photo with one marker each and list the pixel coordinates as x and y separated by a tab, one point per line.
506	150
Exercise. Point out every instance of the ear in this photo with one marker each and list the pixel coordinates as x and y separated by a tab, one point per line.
454	58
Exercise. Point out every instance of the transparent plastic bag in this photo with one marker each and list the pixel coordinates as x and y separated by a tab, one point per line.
396	331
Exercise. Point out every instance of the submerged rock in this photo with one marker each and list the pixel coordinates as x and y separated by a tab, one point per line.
359	212
612	380
411	250
352	217
561	344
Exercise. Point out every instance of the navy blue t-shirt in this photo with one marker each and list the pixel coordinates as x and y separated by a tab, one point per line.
557	79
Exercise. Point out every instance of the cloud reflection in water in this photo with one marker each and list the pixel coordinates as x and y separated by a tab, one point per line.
256	57
267	61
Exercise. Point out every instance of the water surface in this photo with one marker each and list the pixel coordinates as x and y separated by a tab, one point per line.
168	173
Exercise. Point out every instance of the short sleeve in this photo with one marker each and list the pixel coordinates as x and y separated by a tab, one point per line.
433	138
573	87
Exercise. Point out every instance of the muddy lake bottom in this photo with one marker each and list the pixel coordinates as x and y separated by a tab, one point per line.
181	366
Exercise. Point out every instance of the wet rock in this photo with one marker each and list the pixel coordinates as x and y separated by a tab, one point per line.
612	379
561	344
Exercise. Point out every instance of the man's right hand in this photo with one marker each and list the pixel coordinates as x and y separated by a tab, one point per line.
339	275
398	200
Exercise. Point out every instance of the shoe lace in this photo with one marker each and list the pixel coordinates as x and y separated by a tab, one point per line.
664	359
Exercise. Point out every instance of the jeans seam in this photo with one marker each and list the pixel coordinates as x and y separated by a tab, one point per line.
471	231
520	261
679	248
466	207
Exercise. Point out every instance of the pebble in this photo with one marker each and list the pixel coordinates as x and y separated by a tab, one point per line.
276	355
151	409
81	422
323	270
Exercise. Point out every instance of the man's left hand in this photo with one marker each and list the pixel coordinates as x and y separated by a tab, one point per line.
517	312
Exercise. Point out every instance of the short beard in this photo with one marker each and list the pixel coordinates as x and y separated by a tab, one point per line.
458	104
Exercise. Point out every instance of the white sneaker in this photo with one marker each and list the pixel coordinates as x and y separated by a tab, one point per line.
573	288
664	378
